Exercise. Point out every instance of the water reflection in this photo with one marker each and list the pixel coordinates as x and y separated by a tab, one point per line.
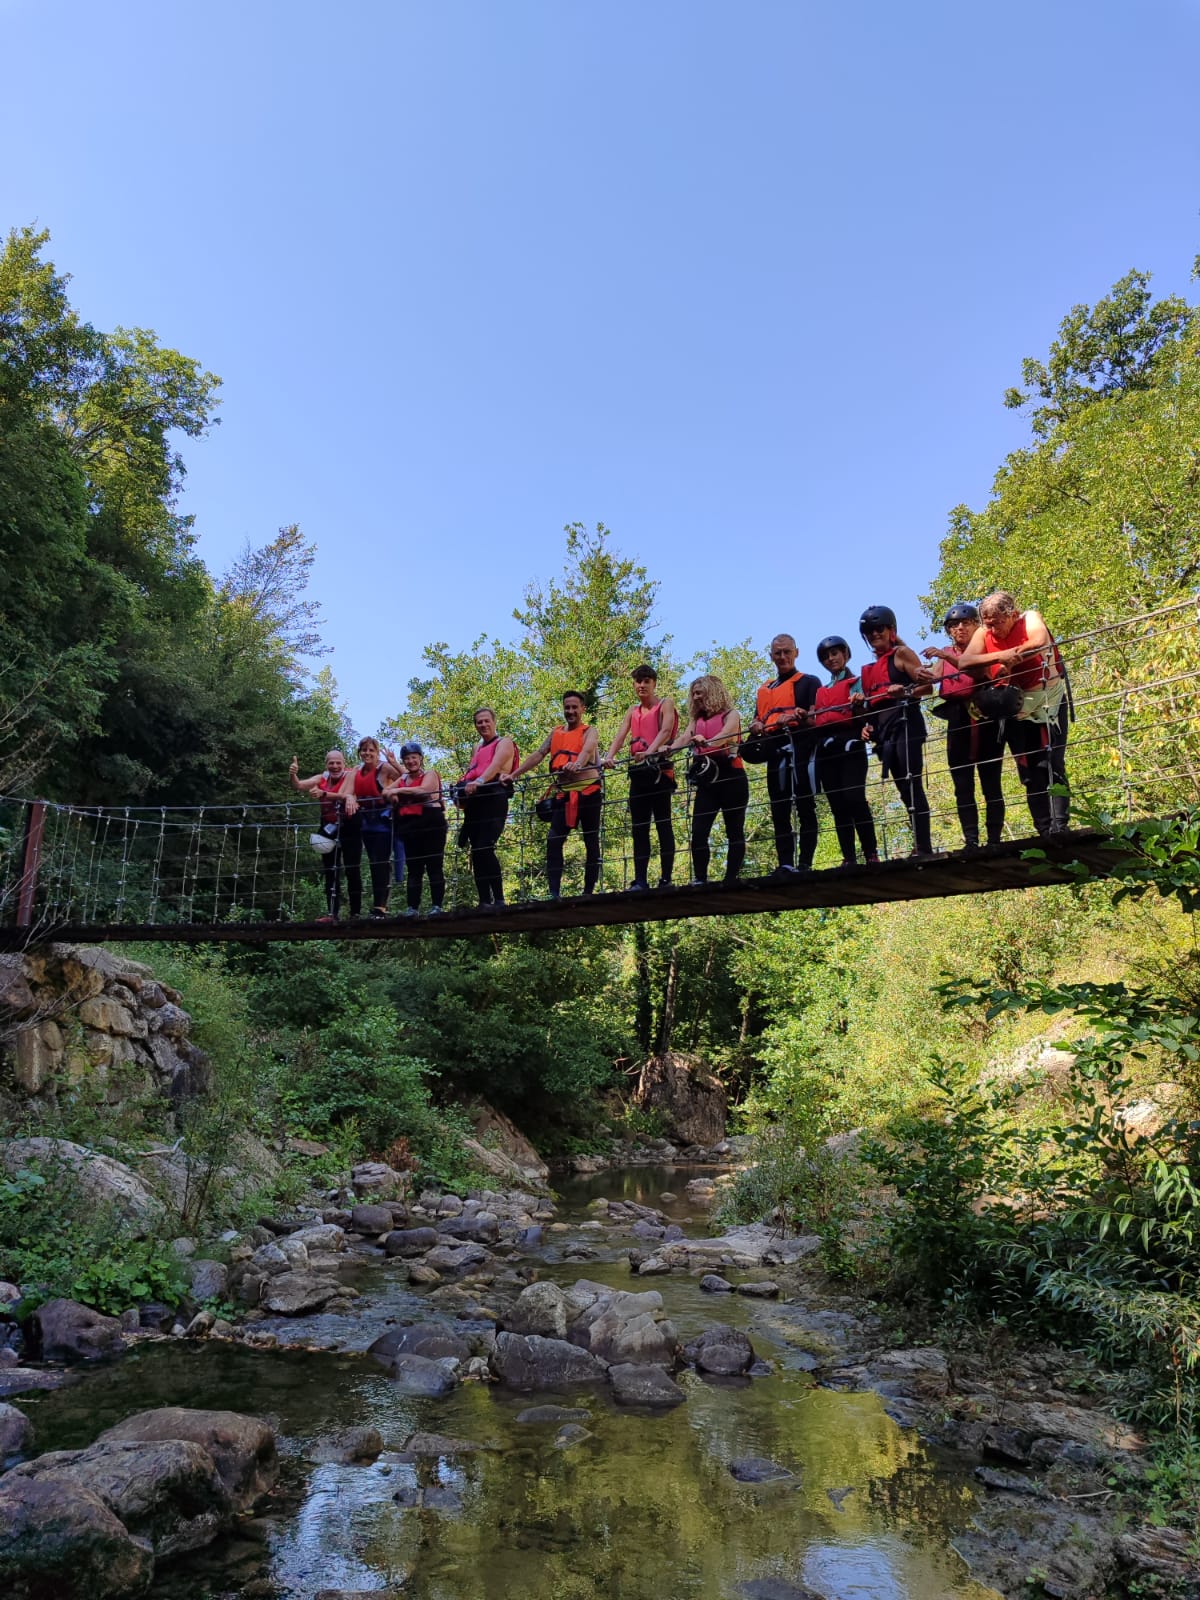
646	1509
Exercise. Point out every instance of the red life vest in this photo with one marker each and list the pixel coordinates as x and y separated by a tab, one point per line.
1032	673
832	705
645	724
710	728
416	808
952	682
876	679
331	809
482	760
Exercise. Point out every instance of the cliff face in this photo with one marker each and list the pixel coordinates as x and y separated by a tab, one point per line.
70	1013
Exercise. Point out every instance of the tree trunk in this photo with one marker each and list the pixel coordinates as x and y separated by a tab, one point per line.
643	1022
666	1025
703	998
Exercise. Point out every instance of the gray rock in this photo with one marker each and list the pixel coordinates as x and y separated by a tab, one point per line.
620	1327
720	1350
482	1227
9	1294
761	1289
571	1433
268	1261
757	1469
1166	1554
20	1380
775	1589
433	1340
1010	1482
67	1331
168	1493
446	1258
550	1414
418	1375
1073	1554
291	1294
16	1433
647	1230
102	1181
57	1540
242	1448
644	1386
420	1273
713	1283
440	1444
351	1445
372	1220
540	1309
525	1361
921	1372
410	1241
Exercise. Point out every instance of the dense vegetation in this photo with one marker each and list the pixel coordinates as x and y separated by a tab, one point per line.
1019	1194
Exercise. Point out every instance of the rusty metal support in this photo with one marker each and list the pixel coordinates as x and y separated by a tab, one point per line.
35	828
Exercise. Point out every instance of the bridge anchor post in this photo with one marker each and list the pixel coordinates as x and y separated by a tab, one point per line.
35	829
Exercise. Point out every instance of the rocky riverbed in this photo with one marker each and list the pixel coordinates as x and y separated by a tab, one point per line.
597	1395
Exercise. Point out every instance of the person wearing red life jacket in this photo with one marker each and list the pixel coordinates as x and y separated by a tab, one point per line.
482	796
841	752
973	745
891	686
1027	697
369	808
781	731
717	774
578	799
419	818
331	787
650	724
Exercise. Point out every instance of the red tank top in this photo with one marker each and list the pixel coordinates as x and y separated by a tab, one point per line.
1031	673
330	807
415	808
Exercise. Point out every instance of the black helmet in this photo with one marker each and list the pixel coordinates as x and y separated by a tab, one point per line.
832	641
877	617
962	611
412	748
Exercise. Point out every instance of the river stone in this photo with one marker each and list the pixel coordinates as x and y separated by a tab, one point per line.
636	1385
268	1261
351	1445
921	1372
440	1444
571	1433
372	1220
20	1380
1163	1553
540	1309
482	1227
720	1350
58	1542
16	1432
209	1280
420	1273
713	1283
1010	1482
168	1493
320	1236
67	1331
775	1589
626	1331
291	1294
525	1361
456	1258
757	1469
554	1414
1073	1554
418	1375
242	1448
760	1289
410	1241
433	1340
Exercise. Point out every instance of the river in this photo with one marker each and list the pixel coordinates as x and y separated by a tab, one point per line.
644	1509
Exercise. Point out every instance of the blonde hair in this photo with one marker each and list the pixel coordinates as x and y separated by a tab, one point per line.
708	697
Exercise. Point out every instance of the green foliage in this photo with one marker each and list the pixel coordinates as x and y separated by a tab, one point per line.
802	1184
55	1242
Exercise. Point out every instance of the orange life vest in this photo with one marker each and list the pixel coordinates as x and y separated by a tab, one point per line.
566	744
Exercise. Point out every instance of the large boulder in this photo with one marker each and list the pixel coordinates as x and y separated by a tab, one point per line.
525	1361
540	1308
292	1294
16	1433
209	1279
620	1327
59	1542
242	1448
410	1242
688	1097
372	1220
423	1376
721	1351
500	1136
103	1182
168	1493
433	1340
66	1331
452	1258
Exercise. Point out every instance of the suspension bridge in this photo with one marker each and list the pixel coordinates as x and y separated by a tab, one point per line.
99	874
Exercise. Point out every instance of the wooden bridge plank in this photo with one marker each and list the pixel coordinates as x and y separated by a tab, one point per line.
996	867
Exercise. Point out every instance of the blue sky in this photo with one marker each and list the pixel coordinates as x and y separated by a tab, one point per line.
746	282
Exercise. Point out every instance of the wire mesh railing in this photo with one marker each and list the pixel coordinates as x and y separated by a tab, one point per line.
1134	750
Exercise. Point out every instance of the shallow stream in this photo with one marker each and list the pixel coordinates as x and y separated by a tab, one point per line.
645	1509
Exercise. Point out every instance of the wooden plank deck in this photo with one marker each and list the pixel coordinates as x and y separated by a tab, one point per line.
995	867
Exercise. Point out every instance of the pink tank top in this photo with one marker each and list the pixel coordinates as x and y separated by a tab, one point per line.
644	724
710	728
482	760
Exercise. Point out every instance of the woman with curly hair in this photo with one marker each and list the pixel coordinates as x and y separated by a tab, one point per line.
716	773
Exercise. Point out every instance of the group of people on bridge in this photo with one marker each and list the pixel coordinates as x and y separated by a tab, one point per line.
1000	685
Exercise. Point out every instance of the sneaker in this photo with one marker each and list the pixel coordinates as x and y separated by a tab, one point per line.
697	883
786	870
378	913
411	911
637	884
435	911
325	921
872	860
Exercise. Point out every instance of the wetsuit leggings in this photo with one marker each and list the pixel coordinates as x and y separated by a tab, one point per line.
425	856
841	766
729	796
1041	752
975	747
348	855
484	816
789	784
375	837
901	749
591	808
651	802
